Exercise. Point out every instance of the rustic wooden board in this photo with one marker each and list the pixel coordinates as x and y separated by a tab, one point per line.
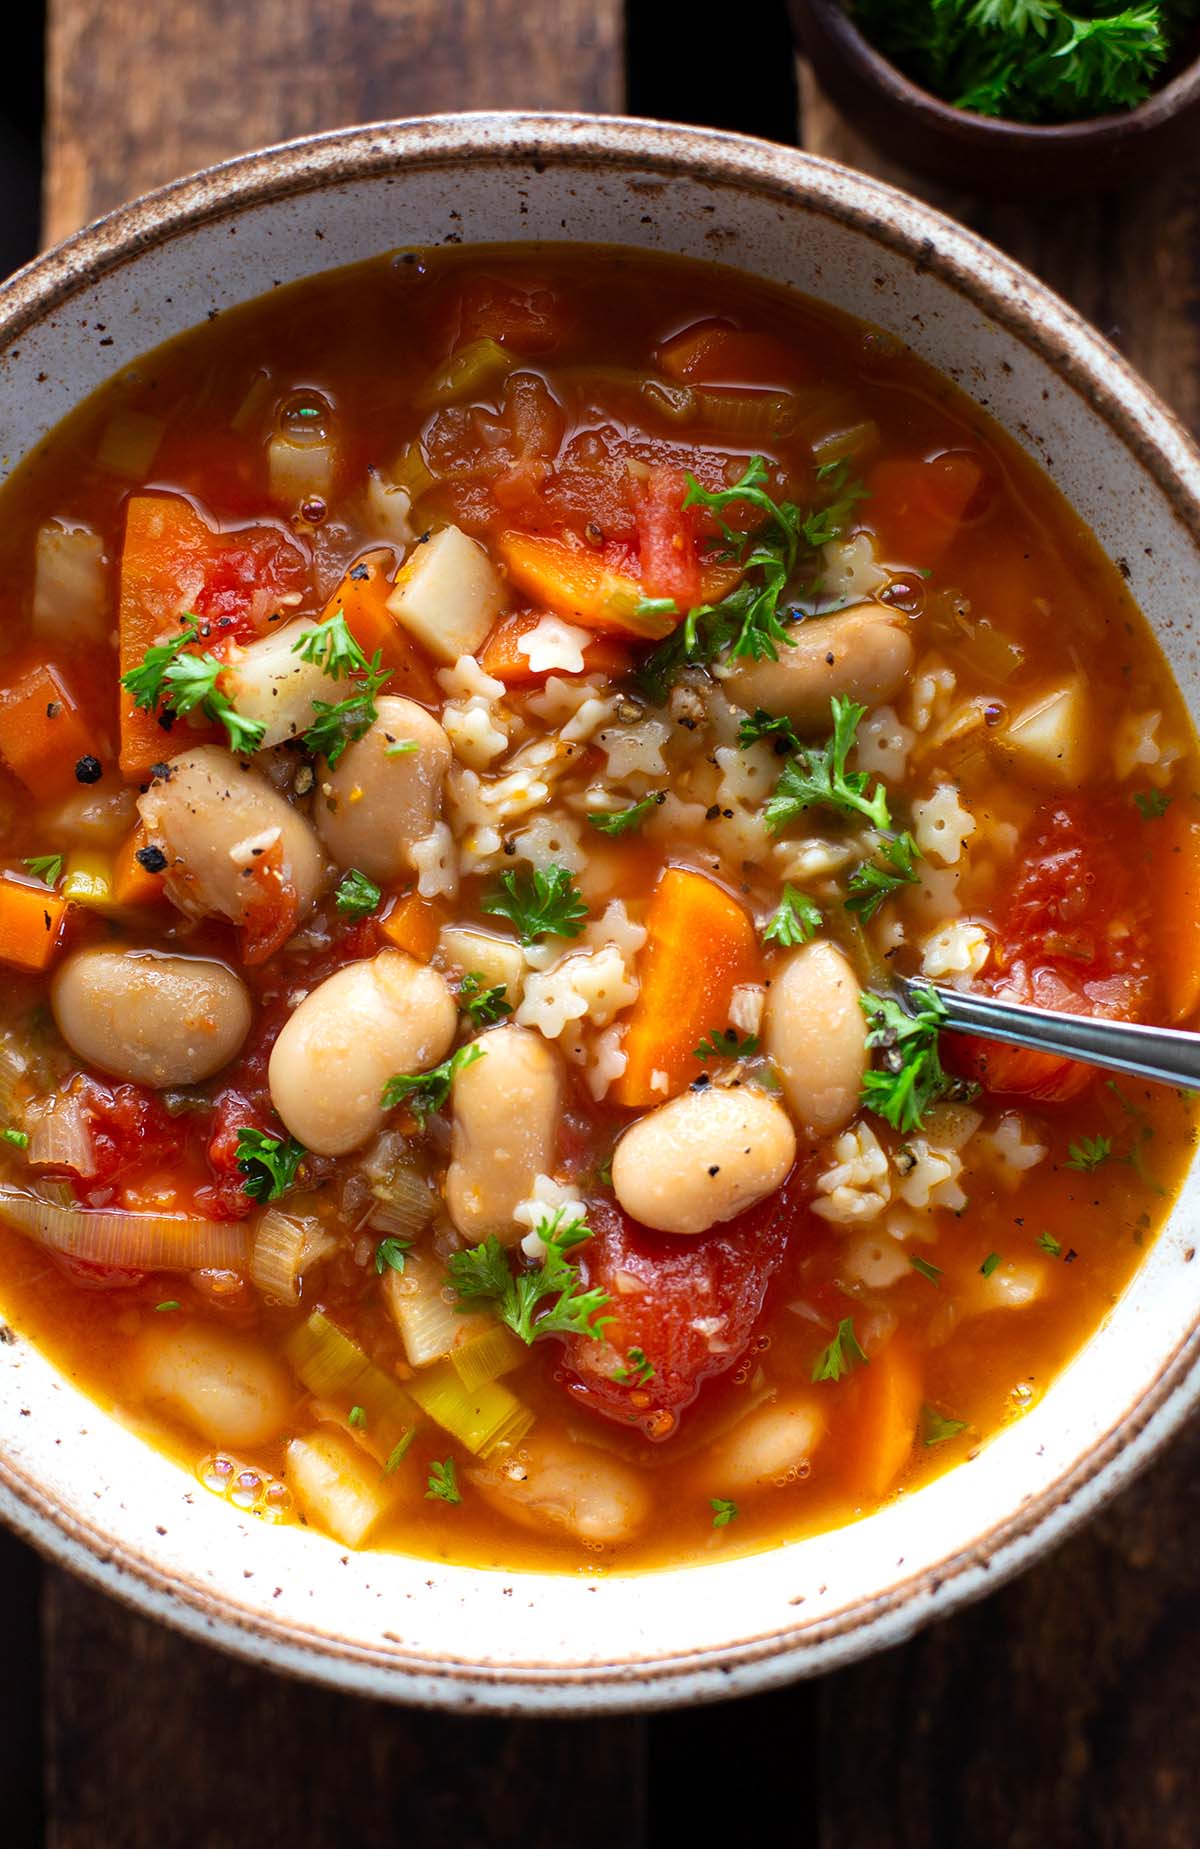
138	94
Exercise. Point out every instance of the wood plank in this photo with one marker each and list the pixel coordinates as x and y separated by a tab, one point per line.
156	1741
138	94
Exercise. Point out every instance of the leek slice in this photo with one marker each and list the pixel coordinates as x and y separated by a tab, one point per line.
428	1321
285	1245
487	1352
482	1418
126	1241
334	1368
337	1488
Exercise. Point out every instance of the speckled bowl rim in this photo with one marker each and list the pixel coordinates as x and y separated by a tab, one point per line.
1032	314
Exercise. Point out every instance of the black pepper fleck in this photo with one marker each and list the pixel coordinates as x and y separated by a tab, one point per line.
151	858
88	770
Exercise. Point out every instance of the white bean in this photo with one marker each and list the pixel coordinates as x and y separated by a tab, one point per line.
863	653
215	819
221	1384
549	1483
815	1032
378	800
159	1020
355	1031
770	1446
703	1158
506	1114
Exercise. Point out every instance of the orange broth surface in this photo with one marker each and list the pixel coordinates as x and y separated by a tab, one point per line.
612	373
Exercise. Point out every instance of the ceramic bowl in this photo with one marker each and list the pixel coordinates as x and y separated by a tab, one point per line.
1023	160
86	1490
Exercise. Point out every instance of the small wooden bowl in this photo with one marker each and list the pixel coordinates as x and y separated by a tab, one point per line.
1016	159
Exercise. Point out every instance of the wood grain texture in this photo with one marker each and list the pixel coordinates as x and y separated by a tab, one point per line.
138	94
1129	262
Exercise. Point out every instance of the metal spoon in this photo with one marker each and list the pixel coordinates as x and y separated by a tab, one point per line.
1170	1055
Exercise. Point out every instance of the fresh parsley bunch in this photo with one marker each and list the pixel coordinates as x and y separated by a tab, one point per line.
1029	60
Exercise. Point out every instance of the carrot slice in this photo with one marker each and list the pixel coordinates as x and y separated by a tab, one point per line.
31	923
43	733
415	924
1176	882
916	508
362	598
700	946
163	561
579	586
877	1440
133	884
503	659
711	353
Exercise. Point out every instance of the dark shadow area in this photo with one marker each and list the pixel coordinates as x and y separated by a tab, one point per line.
22	92
712	66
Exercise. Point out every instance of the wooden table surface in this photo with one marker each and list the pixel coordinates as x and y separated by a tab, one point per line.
1057	1712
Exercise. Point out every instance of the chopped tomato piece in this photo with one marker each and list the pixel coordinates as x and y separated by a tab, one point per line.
667	539
271	908
916	508
1074	938
690	1306
528	320
714	353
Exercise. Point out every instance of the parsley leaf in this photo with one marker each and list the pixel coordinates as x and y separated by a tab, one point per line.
482	1272
1048	1243
870	884
1088	1153
484	1006
356	894
443	1483
910	1076
399	1451
989	1264
635	1368
391	1253
1152	803
780	732
426	1092
932	1272
357	1417
723	1510
45	867
842	1354
725	1043
936	1429
332	648
339	724
268	1163
181	682
623	821
540	903
817	776
19	1139
795	919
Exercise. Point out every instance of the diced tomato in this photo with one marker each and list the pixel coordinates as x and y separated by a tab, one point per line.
527	320
271	907
714	353
130	1129
915	508
667	538
234	1110
690	1306
1075	939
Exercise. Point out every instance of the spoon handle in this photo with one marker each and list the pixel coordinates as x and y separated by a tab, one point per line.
1169	1055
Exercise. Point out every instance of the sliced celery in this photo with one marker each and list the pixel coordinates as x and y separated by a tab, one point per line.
468	371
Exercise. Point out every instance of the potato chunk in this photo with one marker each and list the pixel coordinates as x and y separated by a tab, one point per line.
448	595
1050	739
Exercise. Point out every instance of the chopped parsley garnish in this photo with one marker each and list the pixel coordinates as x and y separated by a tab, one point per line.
1152	803
443	1483
426	1092
539	902
748	622
932	1272
816	776
936	1428
19	1139
356	894
399	1451
391	1253
401	748
870	884
723	1510
1048	1243
909	1076
1088	1153
168	1303
624	821
635	1368
483	1005
725	1043
795	920
842	1354
989	1264
825	524
181	682
332	648
357	1417
337	726
482	1273
780	733
268	1163
45	867
1029	60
